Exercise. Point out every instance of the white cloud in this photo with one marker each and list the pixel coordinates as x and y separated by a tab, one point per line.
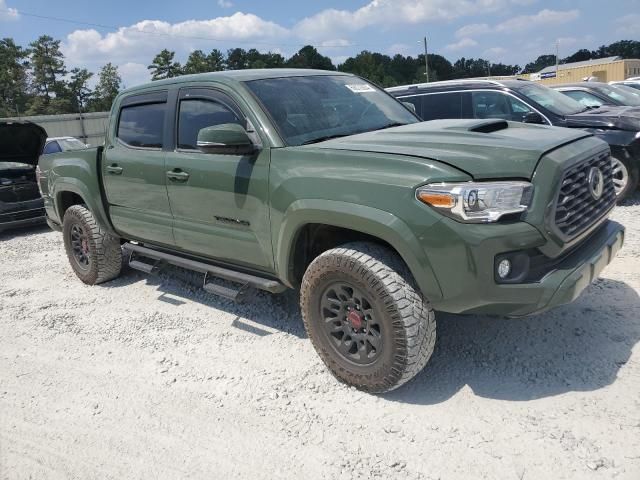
338	42
462	44
133	73
473	29
629	25
225	3
543	19
137	44
401	48
386	12
494	53
6	13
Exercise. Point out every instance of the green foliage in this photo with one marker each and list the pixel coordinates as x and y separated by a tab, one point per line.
79	90
47	72
35	81
199	62
13	78
309	57
163	66
108	87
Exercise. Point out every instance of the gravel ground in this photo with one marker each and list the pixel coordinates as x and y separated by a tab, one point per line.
149	377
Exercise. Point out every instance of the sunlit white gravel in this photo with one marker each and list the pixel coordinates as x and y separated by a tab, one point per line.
149	377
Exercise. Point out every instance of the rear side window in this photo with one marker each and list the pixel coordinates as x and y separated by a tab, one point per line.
142	125
196	114
584	98
442	105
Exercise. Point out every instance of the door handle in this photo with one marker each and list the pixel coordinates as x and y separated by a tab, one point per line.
114	169
177	175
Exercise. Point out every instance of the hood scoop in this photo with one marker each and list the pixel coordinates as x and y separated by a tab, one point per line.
490	126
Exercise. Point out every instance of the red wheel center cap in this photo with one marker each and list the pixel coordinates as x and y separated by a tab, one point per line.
85	246
355	319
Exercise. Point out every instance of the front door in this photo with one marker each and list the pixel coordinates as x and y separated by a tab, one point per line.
134	171
219	202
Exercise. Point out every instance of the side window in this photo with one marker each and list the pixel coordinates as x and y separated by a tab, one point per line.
417	102
491	105
442	105
519	109
585	98
142	125
196	114
52	147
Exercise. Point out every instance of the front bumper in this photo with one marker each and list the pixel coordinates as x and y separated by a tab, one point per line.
469	286
16	215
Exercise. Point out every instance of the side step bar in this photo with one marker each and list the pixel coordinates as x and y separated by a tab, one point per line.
245	279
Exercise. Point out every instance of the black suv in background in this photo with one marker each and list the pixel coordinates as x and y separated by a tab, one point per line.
20	201
597	94
529	102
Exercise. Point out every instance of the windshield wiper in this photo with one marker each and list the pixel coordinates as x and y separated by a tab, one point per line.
322	139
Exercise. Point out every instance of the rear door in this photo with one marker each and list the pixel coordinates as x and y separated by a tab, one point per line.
134	170
219	202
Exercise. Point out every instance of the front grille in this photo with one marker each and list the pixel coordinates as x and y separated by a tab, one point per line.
576	208
23	215
19	193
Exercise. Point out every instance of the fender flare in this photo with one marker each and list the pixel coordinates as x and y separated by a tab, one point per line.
73	185
371	221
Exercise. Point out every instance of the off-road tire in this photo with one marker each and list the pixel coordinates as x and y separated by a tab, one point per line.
104	252
407	318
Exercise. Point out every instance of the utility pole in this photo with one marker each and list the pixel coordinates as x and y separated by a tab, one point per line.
426	60
557	54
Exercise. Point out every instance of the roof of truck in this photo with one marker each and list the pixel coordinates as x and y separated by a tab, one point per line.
233	76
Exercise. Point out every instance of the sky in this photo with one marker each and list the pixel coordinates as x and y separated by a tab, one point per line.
130	33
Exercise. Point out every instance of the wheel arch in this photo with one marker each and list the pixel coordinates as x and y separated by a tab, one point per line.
348	222
70	191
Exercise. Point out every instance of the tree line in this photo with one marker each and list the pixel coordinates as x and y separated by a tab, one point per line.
35	81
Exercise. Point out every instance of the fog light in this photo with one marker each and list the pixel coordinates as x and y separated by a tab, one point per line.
504	268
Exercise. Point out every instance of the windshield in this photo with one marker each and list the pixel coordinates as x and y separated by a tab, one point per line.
621	94
314	108
550	99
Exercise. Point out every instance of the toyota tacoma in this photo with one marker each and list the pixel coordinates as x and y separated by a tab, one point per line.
322	182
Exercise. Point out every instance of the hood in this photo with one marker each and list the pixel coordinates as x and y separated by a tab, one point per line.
484	149
21	142
622	118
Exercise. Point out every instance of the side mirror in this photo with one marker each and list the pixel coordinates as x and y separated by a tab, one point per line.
225	139
410	106
533	117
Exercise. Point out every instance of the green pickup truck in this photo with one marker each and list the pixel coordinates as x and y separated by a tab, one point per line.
322	182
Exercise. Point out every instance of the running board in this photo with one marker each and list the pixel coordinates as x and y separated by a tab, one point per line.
244	279
143	267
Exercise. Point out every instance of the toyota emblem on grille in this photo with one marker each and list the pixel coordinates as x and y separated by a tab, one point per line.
596	182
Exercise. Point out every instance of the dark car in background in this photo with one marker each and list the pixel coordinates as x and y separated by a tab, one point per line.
596	94
529	102
20	202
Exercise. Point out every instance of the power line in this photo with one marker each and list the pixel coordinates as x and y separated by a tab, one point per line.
170	35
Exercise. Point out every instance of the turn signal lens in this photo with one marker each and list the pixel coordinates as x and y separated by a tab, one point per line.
441	200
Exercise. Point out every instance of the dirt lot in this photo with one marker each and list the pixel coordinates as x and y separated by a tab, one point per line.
153	378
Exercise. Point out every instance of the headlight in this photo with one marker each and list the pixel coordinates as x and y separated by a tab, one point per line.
477	202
